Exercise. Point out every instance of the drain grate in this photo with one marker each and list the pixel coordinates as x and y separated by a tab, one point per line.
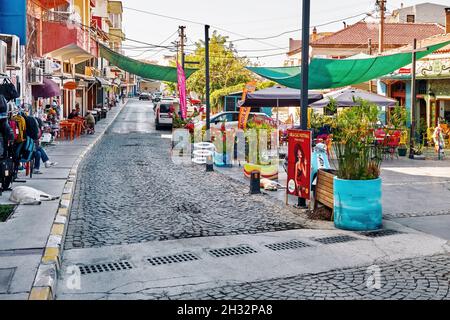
335	239
177	258
380	233
288	245
233	251
105	267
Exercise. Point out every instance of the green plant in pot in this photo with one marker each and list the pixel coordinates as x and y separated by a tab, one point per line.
357	185
402	150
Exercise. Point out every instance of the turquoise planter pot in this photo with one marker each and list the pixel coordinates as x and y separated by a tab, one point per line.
222	160
357	204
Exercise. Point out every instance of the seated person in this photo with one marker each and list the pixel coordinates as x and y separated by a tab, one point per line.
90	123
73	114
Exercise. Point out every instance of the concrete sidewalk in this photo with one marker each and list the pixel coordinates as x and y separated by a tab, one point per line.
25	235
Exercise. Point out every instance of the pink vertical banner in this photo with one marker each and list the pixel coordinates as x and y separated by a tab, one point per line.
182	90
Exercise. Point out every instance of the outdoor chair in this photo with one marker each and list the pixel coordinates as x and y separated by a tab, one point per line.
67	130
391	146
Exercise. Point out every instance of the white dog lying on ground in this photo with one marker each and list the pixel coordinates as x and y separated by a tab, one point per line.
29	196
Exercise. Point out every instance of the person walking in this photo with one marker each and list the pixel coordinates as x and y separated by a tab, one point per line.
40	153
438	139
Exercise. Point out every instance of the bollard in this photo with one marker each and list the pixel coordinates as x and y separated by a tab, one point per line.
255	177
209	163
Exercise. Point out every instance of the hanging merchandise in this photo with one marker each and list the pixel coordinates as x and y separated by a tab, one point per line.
3	106
8	90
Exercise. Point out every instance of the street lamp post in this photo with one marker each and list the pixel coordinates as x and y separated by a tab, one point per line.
413	101
209	160
304	75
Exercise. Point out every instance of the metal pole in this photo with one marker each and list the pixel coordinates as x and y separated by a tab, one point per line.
381	35
305	66
370	53
182	45
209	161
413	101
304	74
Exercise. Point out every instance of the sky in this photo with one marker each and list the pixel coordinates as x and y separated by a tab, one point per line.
238	19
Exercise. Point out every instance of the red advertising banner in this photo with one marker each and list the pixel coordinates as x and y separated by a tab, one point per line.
244	112
299	163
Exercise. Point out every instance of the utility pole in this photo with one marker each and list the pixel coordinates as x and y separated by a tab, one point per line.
370	53
381	4
304	75
182	36
209	160
413	101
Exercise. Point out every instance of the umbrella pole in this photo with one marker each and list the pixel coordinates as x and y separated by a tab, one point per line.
278	131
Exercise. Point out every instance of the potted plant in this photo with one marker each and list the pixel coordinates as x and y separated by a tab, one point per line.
357	185
402	150
257	160
222	139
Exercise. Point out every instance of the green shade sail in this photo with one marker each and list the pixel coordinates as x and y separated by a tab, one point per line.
333	73
142	69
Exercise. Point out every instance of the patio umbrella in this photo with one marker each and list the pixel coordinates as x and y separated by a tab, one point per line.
47	90
346	97
278	97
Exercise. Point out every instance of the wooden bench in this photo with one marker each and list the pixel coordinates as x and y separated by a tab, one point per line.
325	189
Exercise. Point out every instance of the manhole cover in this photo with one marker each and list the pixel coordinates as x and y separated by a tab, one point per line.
288	245
176	258
232	251
6	276
380	233
335	239
105	267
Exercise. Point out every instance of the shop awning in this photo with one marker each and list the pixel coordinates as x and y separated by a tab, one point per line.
145	70
337	73
48	89
103	82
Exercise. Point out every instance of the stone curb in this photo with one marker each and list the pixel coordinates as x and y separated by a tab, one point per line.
44	284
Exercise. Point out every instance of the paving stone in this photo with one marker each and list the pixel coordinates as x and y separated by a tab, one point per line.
128	191
300	287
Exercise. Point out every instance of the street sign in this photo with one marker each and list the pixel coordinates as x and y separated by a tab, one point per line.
299	163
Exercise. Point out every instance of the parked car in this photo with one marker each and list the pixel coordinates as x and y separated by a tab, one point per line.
231	119
144	96
164	111
156	97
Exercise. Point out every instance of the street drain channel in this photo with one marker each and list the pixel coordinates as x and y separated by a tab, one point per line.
288	245
177	258
380	233
232	251
105	267
335	239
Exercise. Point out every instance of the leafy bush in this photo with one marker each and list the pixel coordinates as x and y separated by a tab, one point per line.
359	158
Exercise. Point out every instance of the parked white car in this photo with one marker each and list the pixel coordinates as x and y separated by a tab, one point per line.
164	112
231	119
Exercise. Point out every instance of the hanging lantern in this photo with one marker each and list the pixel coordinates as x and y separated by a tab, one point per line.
71	85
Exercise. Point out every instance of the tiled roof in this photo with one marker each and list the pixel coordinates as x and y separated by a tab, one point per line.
395	34
436	39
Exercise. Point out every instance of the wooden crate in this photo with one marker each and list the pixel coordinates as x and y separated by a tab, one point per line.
325	189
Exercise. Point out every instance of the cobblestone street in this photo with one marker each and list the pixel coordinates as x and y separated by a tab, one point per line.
410	279
133	204
129	191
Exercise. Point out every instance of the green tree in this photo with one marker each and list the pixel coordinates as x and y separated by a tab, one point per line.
226	68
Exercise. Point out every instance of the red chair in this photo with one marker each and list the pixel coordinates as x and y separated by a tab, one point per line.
392	143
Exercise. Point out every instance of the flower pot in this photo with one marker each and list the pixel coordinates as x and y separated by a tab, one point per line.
357	204
222	159
402	152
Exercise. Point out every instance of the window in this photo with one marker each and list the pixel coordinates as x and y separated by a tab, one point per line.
410	18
